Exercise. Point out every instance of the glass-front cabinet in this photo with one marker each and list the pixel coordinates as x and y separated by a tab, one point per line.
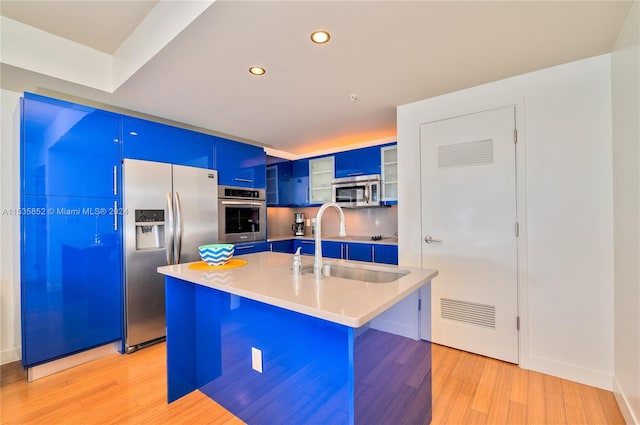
321	173
389	167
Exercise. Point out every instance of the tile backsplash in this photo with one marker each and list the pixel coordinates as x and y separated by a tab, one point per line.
359	221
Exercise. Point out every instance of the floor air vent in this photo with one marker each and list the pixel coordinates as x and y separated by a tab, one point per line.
466	154
462	311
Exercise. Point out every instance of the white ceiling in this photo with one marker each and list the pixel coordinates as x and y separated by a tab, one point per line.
388	53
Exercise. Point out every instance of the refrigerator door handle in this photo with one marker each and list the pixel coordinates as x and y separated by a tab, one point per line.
169	231
178	240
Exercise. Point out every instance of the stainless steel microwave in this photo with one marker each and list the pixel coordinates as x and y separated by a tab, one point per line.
357	191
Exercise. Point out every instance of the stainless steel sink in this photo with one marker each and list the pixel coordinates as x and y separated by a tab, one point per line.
363	273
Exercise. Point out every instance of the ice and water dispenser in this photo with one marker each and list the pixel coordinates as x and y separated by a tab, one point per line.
149	229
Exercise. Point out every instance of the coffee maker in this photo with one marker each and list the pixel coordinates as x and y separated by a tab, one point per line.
298	224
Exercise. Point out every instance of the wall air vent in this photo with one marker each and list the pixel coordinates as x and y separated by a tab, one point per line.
472	313
466	154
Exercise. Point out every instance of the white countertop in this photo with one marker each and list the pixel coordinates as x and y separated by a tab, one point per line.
268	278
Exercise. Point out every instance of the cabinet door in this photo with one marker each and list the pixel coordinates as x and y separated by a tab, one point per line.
387	254
152	141
71	295
69	150
306	247
389	165
249	248
357	162
359	251
282	246
331	249
321	173
300	185
240	164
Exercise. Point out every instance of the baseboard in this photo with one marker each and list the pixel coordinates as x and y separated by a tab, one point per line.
55	366
623	404
571	372
10	355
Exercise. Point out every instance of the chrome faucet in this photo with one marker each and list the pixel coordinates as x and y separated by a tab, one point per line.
317	262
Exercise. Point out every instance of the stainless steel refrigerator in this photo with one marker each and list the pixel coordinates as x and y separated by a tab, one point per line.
170	210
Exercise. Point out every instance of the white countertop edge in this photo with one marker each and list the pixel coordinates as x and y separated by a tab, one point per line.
410	283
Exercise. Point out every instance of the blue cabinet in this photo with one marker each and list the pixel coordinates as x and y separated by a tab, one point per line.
359	251
240	164
249	248
151	141
331	249
358	162
307	247
69	150
282	246
387	254
71	295
279	182
300	185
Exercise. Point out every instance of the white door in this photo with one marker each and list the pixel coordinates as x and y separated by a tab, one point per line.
468	187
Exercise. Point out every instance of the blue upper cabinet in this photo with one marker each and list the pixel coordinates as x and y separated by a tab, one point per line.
152	141
300	183
69	150
279	182
240	164
71	292
357	162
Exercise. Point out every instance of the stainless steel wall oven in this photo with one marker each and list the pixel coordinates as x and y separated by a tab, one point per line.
242	214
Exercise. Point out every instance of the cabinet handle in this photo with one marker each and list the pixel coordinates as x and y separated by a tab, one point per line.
245	247
373	254
115	215
238	179
308	242
359	173
271	247
115	179
346	248
342	251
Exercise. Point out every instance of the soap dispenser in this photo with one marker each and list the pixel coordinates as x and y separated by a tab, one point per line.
297	263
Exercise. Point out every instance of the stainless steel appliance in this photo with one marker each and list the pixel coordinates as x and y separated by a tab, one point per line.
358	191
298	224
242	214
170	211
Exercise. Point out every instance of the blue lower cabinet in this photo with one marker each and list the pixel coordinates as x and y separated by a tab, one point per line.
250	248
71	295
307	247
332	249
282	246
387	254
359	251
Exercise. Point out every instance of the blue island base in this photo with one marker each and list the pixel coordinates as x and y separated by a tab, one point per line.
313	371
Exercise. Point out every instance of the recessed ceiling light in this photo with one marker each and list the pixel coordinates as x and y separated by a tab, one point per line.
320	37
257	70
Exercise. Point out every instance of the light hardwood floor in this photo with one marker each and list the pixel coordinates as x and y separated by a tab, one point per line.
131	389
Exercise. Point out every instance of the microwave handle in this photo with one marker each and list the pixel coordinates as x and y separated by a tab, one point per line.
366	193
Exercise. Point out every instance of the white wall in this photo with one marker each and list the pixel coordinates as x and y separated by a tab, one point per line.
10	228
625	83
565	201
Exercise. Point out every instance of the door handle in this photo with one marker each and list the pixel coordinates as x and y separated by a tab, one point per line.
179	229
169	233
430	239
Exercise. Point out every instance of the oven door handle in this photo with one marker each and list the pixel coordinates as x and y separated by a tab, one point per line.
253	204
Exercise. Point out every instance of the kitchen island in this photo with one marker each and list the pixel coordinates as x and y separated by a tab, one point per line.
272	347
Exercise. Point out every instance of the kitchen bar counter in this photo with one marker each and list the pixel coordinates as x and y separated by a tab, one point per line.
268	278
389	240
274	348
